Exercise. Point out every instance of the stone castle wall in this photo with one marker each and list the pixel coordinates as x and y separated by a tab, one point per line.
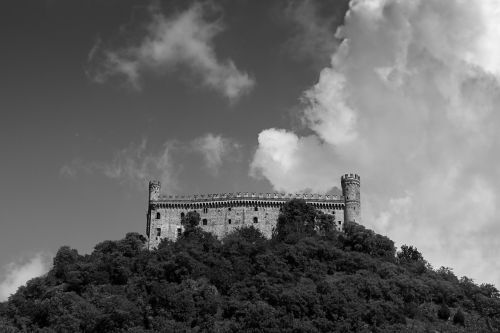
219	221
222	213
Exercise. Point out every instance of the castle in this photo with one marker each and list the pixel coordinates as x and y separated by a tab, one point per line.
222	213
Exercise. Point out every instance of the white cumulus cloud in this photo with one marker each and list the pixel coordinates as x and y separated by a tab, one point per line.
294	163
185	40
409	101
18	273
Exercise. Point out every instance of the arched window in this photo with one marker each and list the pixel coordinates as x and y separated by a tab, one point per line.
255	219
205	210
179	232
182	215
158	215
229	221
256	208
158	232
205	221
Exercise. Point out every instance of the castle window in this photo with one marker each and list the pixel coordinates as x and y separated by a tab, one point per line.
255	219
179	232
229	221
205	221
158	215
229	209
205	210
340	223
182	215
158	232
256	208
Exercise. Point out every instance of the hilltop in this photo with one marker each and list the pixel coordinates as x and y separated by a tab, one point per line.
307	278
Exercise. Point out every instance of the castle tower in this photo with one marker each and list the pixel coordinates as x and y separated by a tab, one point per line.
154	195
351	192
154	190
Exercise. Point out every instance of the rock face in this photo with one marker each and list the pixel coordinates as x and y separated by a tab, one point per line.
222	213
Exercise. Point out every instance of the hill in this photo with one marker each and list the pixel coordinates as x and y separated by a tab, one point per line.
308	278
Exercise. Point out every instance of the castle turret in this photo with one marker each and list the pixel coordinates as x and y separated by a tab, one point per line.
154	195
154	190
351	192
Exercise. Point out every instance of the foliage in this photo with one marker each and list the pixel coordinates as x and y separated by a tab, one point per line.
297	219
444	312
459	318
191	221
409	254
308	278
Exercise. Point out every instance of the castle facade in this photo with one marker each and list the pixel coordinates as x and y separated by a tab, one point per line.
222	213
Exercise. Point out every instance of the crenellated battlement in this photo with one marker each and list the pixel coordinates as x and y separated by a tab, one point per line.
248	196
350	177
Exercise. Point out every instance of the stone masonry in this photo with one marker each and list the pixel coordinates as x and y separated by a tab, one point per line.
222	213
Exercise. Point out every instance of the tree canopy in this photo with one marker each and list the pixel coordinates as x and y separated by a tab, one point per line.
308	278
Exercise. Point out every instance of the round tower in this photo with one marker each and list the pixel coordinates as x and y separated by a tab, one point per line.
154	190
352	198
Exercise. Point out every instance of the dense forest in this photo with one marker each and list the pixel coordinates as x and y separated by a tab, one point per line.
307	278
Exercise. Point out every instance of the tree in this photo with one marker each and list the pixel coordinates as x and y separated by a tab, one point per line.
190	221
296	220
459	318
326	223
357	238
64	259
489	290
447	274
444	312
409	254
132	244
331	282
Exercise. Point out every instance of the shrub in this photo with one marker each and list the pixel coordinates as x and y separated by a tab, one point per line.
443	312
459	318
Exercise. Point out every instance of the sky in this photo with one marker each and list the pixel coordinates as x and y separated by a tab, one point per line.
98	97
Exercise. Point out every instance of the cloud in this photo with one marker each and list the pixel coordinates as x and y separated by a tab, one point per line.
18	273
137	163
132	165
328	111
294	163
409	102
185	40
214	149
314	24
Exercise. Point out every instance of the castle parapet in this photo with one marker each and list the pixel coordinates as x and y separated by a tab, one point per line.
350	177
247	196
